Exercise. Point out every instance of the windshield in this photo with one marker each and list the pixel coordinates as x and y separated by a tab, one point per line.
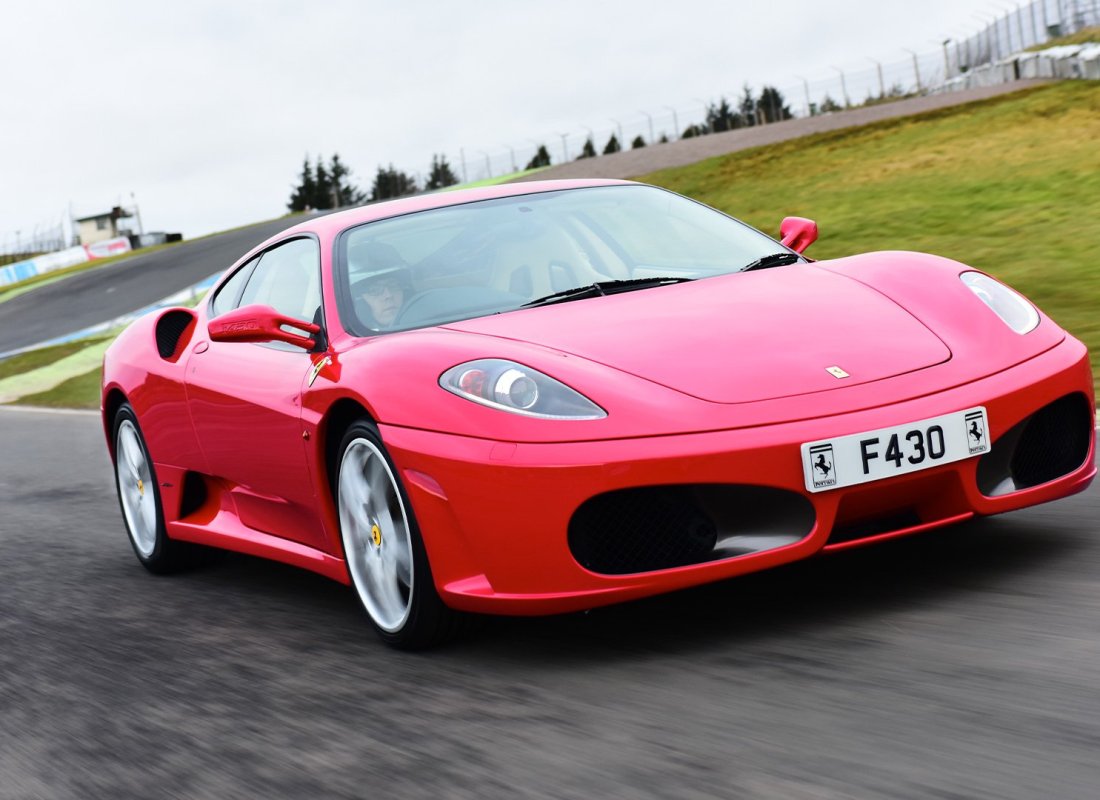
493	256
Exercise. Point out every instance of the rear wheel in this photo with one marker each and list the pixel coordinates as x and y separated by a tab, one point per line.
385	555
139	499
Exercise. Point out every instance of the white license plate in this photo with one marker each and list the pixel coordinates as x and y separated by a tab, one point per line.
873	455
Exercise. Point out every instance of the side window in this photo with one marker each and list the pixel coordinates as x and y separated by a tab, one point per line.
228	292
288	279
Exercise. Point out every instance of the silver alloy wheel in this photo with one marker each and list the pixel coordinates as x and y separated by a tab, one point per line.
136	489
375	530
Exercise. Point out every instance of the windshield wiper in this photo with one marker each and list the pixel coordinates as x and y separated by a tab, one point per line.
772	260
601	288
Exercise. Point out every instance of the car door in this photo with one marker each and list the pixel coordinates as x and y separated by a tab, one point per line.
246	398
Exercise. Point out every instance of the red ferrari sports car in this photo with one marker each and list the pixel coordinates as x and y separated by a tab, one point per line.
545	397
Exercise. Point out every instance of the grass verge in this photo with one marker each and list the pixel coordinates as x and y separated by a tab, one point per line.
81	391
1009	185
1083	36
26	362
46	377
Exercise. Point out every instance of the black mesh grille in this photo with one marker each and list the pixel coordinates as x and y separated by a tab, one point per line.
170	328
639	530
1054	442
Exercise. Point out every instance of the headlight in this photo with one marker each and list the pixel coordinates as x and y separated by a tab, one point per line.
1017	313
513	387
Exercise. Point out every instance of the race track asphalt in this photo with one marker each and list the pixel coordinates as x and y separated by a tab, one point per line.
963	663
98	295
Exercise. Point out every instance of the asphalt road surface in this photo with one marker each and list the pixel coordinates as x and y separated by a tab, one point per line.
963	663
103	294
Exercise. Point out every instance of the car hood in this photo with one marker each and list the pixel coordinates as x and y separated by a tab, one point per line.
736	338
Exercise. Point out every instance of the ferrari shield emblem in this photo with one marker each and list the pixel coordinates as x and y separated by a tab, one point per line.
320	365
975	432
836	372
824	471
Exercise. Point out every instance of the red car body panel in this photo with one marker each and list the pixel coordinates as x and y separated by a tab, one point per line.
776	357
494	492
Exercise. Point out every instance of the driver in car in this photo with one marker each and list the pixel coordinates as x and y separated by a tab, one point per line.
384	295
382	284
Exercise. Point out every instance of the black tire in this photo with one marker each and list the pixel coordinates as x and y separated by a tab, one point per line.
381	507
146	532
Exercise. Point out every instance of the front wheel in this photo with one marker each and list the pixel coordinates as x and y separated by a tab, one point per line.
385	555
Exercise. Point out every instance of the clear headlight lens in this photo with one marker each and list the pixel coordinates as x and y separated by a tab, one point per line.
509	386
1011	307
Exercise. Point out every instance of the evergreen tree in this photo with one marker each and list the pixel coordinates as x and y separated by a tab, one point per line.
747	107
391	182
638	142
302	197
540	159
691	131
589	149
322	187
772	105
344	192
612	146
441	174
829	104
663	139
720	117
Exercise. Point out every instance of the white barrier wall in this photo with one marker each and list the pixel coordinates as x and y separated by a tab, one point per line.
21	270
1071	61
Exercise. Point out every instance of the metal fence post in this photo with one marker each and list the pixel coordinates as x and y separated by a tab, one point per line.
675	124
916	68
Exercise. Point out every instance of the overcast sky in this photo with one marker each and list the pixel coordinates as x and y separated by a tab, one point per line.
204	110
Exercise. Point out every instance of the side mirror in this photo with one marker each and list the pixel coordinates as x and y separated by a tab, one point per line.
261	324
798	233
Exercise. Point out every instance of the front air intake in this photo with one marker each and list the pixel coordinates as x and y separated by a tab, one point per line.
1051	443
661	527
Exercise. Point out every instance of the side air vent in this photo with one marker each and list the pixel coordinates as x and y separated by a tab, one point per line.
171	330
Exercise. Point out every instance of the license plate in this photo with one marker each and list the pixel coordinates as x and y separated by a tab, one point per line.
874	455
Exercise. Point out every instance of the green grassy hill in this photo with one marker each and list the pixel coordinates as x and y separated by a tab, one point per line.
1010	186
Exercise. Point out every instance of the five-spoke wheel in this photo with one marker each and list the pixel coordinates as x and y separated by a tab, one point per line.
136	487
385	555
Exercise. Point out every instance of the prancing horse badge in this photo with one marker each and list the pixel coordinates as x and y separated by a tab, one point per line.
836	372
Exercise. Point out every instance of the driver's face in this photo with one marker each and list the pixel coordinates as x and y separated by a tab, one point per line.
385	299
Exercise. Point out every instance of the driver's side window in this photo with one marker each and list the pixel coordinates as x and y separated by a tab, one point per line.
225	299
288	278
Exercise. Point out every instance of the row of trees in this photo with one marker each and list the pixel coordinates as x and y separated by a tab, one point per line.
324	186
612	146
328	185
768	107
747	113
